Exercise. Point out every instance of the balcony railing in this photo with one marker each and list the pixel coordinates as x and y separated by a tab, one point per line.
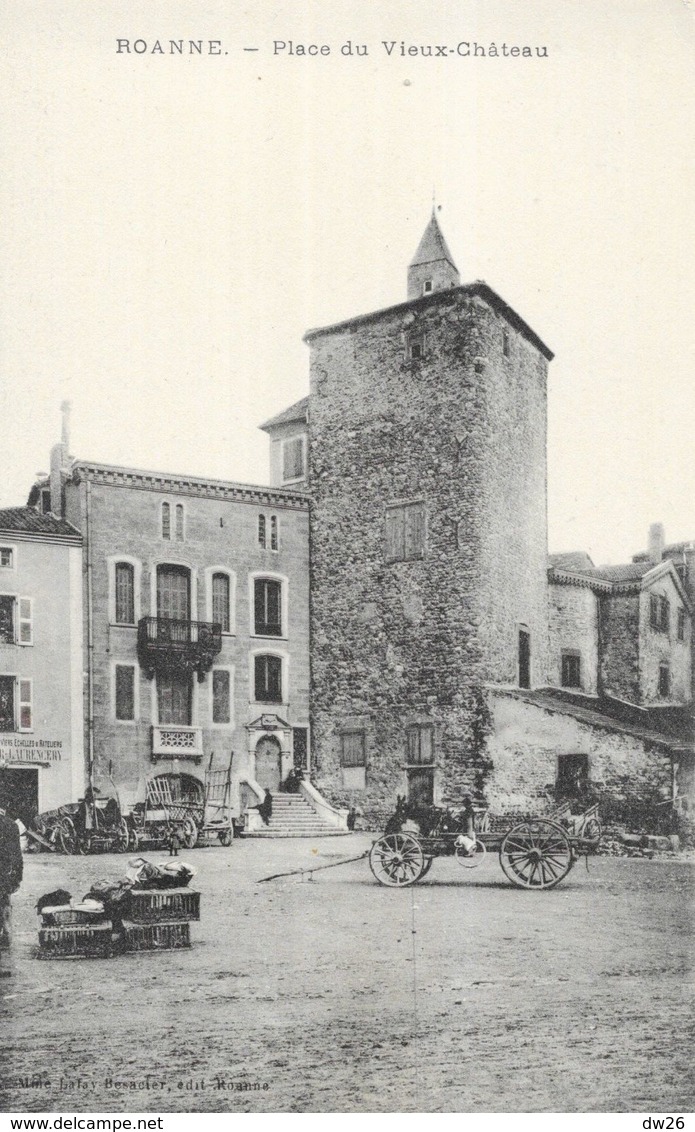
174	741
167	645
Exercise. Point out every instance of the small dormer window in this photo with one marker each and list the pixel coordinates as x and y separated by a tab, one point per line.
427	287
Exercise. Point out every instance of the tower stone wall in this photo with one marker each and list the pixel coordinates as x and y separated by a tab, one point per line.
438	408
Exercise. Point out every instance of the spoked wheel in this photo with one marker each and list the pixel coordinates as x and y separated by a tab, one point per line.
471	860
66	836
121	841
189	832
397	860
536	854
592	831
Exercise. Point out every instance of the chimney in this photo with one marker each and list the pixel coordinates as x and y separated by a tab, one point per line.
65	437
656	542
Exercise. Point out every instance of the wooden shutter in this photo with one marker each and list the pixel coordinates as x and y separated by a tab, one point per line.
26	621
414	530
395	534
26	713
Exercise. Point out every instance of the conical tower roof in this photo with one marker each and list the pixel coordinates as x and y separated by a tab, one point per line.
432	268
432	246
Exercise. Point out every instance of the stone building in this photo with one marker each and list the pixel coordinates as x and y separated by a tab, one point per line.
42	762
196	623
428	551
444	653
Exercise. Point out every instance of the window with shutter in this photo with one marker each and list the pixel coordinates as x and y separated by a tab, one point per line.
268	679
353	749
221	695
125	594
125	692
7	614
571	669
293	459
405	531
220	601
26	621
7	695
420	744
267	607
26	714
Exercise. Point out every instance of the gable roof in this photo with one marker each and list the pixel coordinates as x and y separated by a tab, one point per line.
32	523
629	577
297	412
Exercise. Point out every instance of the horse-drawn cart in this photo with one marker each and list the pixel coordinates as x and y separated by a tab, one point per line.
536	853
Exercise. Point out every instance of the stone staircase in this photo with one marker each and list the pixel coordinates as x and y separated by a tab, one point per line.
293	816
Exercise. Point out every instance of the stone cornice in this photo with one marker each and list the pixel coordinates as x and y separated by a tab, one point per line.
134	478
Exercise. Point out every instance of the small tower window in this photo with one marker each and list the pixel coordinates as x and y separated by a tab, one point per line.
427	287
415	347
166	521
273	532
261	531
179	522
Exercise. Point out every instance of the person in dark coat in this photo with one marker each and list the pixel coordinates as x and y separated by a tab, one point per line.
11	869
265	808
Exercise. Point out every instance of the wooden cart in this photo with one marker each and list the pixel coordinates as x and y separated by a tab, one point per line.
217	812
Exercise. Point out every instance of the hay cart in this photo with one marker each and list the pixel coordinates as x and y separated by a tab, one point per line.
217	812
536	853
164	813
95	824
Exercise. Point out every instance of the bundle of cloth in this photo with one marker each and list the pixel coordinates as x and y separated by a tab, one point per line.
144	874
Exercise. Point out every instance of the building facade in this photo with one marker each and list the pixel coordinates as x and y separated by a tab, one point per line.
42	764
195	627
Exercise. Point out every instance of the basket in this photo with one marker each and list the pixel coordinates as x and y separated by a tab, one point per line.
157	937
149	906
78	942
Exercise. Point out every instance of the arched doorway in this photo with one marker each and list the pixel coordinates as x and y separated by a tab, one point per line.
268	763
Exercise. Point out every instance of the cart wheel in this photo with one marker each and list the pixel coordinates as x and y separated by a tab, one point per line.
471	860
536	854
397	859
427	867
225	836
66	836
189	832
122	838
592	831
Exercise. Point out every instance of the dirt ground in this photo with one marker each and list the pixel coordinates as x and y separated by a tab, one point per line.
462	994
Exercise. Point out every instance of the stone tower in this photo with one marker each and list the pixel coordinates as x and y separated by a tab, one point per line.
427	442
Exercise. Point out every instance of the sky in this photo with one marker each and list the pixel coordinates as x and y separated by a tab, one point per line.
170	225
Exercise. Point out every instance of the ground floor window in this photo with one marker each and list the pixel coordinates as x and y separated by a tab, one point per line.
571	669
16	704
175	699
572	775
19	793
664	681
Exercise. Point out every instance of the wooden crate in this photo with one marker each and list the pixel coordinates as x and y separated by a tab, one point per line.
79	941
65	916
149	905
157	937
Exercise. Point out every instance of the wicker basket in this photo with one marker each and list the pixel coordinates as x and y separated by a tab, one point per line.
151	906
157	937
62	917
77	942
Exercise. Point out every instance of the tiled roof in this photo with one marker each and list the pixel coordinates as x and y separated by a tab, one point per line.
296	412
628	572
571	560
598	713
26	520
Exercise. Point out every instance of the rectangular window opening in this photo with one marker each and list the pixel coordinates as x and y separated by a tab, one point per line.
293	459
125	692
268	679
405	531
221	696
571	670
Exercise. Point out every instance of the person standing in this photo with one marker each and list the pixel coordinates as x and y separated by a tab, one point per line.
11	869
